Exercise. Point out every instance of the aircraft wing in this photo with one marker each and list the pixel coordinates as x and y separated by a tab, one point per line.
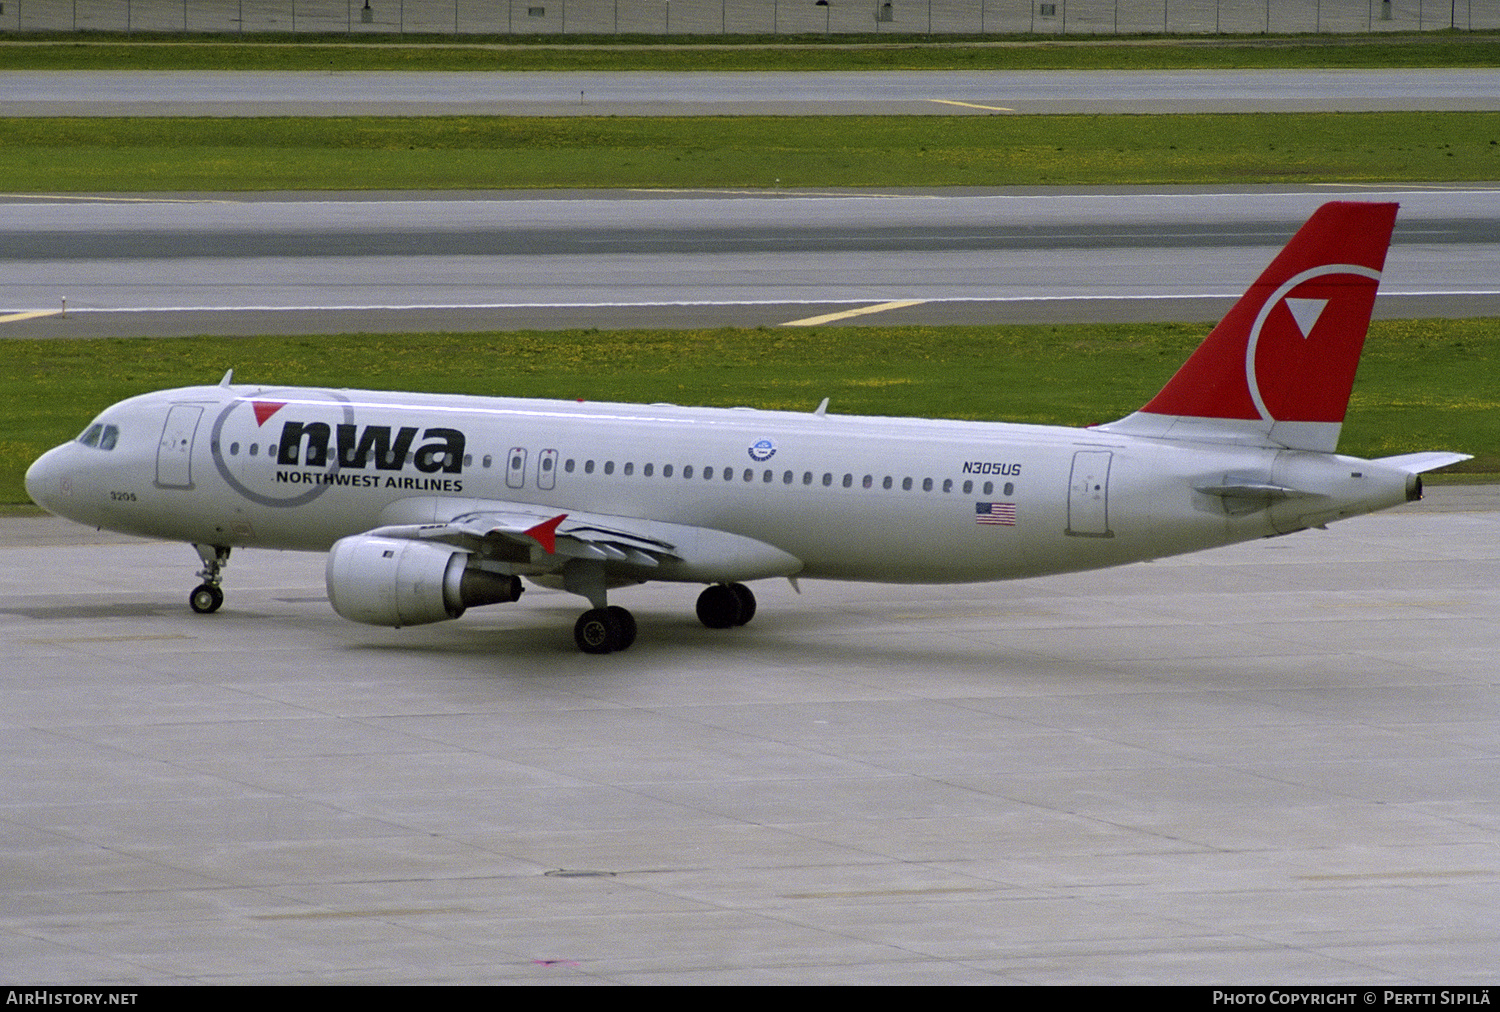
511	535
527	539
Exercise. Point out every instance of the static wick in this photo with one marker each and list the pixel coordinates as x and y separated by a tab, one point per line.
580	98
65	305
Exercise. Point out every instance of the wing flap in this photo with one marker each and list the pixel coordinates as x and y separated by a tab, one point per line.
528	540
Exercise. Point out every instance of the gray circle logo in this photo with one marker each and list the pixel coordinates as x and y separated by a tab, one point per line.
258	411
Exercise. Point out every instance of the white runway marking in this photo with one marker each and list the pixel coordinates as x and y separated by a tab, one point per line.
809	321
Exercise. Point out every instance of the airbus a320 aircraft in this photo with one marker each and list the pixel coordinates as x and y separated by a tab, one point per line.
429	505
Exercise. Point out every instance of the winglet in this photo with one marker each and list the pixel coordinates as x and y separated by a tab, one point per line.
545	533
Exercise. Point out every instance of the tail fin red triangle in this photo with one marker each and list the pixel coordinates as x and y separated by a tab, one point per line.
1282	362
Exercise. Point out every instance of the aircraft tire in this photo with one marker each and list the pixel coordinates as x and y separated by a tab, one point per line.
719	607
746	598
206	599
598	631
626	622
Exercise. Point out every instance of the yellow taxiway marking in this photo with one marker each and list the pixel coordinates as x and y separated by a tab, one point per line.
30	314
813	321
971	105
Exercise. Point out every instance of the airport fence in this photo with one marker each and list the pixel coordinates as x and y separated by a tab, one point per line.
747	17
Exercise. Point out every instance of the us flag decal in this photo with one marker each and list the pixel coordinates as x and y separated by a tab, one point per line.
995	513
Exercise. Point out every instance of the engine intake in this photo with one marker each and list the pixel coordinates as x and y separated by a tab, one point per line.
398	582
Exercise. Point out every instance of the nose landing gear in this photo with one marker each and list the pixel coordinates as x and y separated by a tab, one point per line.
208	597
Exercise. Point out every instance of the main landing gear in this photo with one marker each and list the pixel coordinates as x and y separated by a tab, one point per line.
208	597
726	604
605	630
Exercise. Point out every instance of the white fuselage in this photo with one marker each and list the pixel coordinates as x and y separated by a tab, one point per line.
856	498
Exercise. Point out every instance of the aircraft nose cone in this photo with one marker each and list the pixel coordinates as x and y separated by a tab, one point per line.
46	480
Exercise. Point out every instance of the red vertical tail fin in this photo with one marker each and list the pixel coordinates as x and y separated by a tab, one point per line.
1279	367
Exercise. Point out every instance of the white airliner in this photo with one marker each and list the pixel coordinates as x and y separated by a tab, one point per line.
428	505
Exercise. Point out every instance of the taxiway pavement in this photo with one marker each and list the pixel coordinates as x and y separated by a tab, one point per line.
305	263
688	93
1272	763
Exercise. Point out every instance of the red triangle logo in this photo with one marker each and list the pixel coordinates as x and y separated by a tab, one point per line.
265	409
546	533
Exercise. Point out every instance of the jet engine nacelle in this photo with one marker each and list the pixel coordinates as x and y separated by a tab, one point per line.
398	582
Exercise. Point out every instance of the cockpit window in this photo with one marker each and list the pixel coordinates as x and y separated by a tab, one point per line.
100	436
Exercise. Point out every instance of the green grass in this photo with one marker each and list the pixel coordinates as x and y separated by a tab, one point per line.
875	52
1422	385
471	152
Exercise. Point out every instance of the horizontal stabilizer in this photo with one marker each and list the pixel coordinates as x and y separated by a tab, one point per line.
1420	463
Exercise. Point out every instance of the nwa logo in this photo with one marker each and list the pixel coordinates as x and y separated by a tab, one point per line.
286	451
308	444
